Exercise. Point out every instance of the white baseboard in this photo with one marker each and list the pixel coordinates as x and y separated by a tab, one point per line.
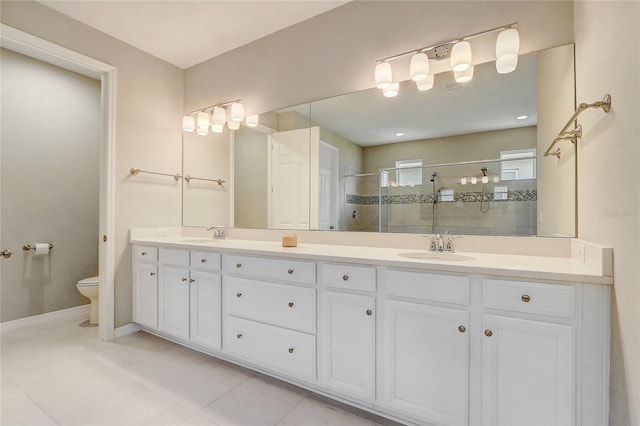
127	329
48	315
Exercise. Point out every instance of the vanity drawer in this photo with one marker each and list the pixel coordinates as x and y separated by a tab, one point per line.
286	351
557	300
205	261
174	257
342	275
428	286
279	304
145	254
275	269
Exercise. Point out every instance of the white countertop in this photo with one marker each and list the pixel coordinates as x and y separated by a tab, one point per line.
562	269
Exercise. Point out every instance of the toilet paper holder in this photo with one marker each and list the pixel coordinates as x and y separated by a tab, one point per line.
28	247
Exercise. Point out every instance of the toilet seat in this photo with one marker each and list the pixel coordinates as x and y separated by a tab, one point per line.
89	282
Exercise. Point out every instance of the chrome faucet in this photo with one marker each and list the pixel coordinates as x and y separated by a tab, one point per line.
439	245
218	234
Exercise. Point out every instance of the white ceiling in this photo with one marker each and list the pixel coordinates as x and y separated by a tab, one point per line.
185	33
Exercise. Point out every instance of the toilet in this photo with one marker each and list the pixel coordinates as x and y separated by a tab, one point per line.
88	287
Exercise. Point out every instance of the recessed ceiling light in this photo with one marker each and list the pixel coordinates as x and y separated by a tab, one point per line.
522	117
400	134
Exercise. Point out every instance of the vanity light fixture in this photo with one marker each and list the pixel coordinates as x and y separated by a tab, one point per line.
459	54
391	90
474	180
496	179
463	181
216	117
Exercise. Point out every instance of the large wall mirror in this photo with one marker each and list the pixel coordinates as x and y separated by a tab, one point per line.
459	158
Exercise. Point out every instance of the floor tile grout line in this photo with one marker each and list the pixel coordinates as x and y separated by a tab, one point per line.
290	411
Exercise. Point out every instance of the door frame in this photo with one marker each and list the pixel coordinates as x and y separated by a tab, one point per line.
43	50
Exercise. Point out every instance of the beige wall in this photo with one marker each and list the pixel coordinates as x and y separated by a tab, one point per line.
607	38
251	178
149	96
50	184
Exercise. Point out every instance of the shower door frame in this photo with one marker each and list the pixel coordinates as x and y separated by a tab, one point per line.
46	51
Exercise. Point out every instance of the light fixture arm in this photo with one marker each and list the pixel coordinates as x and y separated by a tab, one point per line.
211	107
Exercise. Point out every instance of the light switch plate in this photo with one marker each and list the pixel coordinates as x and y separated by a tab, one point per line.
161	232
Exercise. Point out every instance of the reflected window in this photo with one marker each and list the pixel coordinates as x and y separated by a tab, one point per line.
412	175
521	164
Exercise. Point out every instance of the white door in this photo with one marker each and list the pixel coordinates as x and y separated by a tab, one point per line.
426	362
206	308
347	348
328	187
528	372
145	297
173	301
293	179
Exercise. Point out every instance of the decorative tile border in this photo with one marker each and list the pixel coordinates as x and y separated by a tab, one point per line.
465	197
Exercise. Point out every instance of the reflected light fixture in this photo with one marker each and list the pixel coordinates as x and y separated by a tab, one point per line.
391	90
383	75
507	49
461	56
203	120
252	120
464	76
203	132
485	179
188	123
463	181
219	118
419	67
474	180
237	112
426	84
496	179
233	125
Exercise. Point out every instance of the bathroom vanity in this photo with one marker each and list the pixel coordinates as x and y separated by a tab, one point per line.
470	339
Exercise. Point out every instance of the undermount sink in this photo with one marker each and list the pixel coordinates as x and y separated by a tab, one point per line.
429	255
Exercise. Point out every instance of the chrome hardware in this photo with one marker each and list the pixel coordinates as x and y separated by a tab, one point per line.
440	245
238	265
28	247
192	280
526	298
238	294
104	238
488	333
290	350
203	260
144	253
369	312
462	328
218	234
152	273
345	278
290	271
6	253
184	279
135	172
188	178
291	304
239	335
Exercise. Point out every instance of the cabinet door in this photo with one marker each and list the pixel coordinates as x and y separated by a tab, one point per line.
145	295
206	309
528	372
173	297
347	351
426	362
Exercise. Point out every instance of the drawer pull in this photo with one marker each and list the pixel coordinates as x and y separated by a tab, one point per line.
203	260
239	335
369	312
238	265
144	253
291	304
526	298
488	333
345	278
238	294
290	350
290	271
191	280
152	273
462	329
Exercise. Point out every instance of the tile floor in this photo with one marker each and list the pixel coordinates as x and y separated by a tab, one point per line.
54	372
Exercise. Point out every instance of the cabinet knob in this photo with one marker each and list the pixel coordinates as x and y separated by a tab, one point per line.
291	304
345	278
144	253
290	350
462	328
290	271
238	294
238	265
203	260
184	279
239	335
191	280
152	273
369	312
526	298
488	333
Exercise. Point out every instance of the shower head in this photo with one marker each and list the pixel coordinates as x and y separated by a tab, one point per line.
433	176
484	171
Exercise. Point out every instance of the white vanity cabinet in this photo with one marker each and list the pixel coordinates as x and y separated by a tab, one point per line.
347	329
528	358
205	307
425	346
145	286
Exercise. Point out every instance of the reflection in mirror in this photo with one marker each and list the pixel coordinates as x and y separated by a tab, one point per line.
363	162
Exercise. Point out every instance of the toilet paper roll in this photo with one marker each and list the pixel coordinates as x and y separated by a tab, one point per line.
41	249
